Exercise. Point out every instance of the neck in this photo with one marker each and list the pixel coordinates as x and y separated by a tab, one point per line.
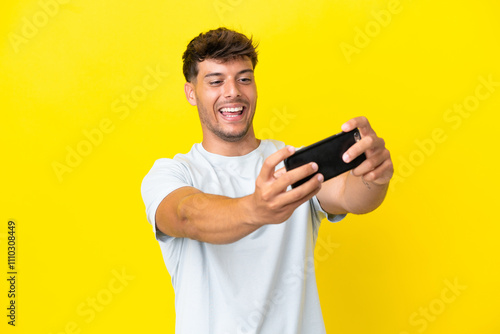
216	145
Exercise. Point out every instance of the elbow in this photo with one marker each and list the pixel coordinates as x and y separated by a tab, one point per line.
361	208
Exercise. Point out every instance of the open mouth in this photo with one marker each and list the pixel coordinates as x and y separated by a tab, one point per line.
232	112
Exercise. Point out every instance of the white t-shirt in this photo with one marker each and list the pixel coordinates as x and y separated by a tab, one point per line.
263	283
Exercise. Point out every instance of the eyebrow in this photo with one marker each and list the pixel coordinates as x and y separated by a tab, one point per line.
216	74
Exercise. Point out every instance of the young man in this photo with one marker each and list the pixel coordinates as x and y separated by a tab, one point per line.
237	241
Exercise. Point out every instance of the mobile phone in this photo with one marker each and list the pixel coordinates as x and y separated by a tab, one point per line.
327	153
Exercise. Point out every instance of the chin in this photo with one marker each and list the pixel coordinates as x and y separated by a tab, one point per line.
233	136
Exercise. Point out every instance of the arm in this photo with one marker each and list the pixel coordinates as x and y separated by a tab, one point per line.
190	213
364	188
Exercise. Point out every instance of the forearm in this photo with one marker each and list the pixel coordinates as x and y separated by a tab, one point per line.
361	196
214	219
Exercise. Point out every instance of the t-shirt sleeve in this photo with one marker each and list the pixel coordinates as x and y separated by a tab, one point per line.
165	176
322	214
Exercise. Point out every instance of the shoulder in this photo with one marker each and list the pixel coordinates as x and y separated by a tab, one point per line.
272	145
166	165
166	170
180	162
165	176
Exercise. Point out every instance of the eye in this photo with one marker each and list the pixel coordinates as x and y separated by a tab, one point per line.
215	82
245	80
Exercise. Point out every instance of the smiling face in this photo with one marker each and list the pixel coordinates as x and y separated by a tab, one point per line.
226	96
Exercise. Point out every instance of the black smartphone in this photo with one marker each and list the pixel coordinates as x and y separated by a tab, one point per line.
327	153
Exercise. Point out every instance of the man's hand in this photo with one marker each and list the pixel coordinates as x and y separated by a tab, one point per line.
363	189
377	168
271	203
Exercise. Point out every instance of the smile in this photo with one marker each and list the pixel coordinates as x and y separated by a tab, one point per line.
231	112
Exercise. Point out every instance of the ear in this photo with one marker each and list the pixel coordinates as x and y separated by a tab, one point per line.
190	94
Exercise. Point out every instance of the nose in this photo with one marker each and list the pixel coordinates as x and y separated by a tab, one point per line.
231	89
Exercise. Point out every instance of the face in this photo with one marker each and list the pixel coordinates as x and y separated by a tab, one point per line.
226	97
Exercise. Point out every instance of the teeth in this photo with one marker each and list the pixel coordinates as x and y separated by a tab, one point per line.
231	109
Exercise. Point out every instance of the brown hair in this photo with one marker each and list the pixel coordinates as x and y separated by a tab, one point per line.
220	44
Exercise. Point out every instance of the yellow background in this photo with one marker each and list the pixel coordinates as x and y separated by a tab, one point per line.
79	231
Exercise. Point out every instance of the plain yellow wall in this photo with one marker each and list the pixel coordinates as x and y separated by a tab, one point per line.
91	94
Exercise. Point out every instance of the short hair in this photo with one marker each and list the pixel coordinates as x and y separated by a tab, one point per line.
220	44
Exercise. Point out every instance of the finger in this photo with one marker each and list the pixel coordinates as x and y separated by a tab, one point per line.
371	163
358	122
370	145
296	174
269	166
382	174
279	172
302	193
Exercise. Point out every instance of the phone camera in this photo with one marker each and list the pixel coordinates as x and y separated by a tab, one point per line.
357	136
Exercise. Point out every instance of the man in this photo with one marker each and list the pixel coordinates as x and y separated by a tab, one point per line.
237	241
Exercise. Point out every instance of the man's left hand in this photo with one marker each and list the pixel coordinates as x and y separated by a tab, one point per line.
377	168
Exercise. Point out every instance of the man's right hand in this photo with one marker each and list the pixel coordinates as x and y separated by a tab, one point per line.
271	203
